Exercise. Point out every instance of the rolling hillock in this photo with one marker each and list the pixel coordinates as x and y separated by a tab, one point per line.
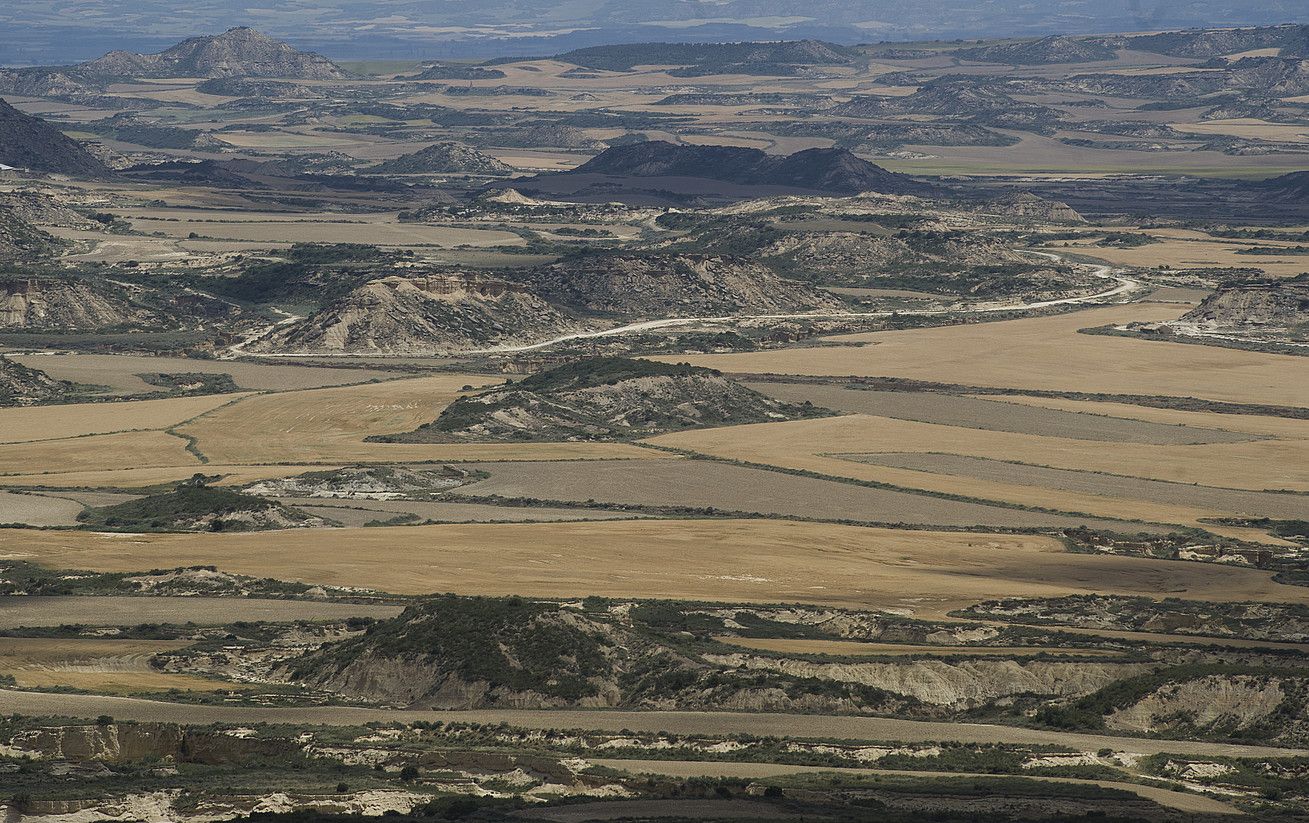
196	506
714	58
20	240
423	315
28	142
1204	43
470	652
23	386
444	158
1293	186
979	101
631	286
604	398
831	170
1042	52
365	482
467	652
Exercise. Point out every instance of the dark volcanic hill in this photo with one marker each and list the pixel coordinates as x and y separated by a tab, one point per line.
238	52
604	398
444	158
28	142
1293	186
1046	51
633	286
829	170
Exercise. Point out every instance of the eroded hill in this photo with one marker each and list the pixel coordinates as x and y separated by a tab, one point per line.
604	398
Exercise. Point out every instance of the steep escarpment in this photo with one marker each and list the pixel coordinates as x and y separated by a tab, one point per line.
672	285
604	398
423	315
1277	308
48	303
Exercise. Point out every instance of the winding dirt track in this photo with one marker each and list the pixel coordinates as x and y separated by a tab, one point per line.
799	726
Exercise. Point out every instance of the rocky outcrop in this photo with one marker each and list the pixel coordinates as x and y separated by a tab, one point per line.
237	52
1227	705
830	170
444	158
1279	308
28	142
672	285
424	315
1026	206
194	506
366	482
23	386
604	398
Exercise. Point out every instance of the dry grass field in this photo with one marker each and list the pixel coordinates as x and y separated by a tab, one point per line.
329	426
118	372
700	483
1253	465
363	512
1047	353
16	612
928	573
996	415
1179	249
132	478
825	446
44	423
107	666
146	449
1253	504
38	510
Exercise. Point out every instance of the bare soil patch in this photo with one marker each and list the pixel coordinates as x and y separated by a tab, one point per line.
697	484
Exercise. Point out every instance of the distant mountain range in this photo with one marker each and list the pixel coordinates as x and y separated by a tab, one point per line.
237	52
40	32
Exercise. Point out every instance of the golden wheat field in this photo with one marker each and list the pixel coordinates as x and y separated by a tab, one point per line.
1046	353
103	665
926	572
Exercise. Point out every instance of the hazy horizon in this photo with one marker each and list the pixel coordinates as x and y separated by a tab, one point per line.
41	32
